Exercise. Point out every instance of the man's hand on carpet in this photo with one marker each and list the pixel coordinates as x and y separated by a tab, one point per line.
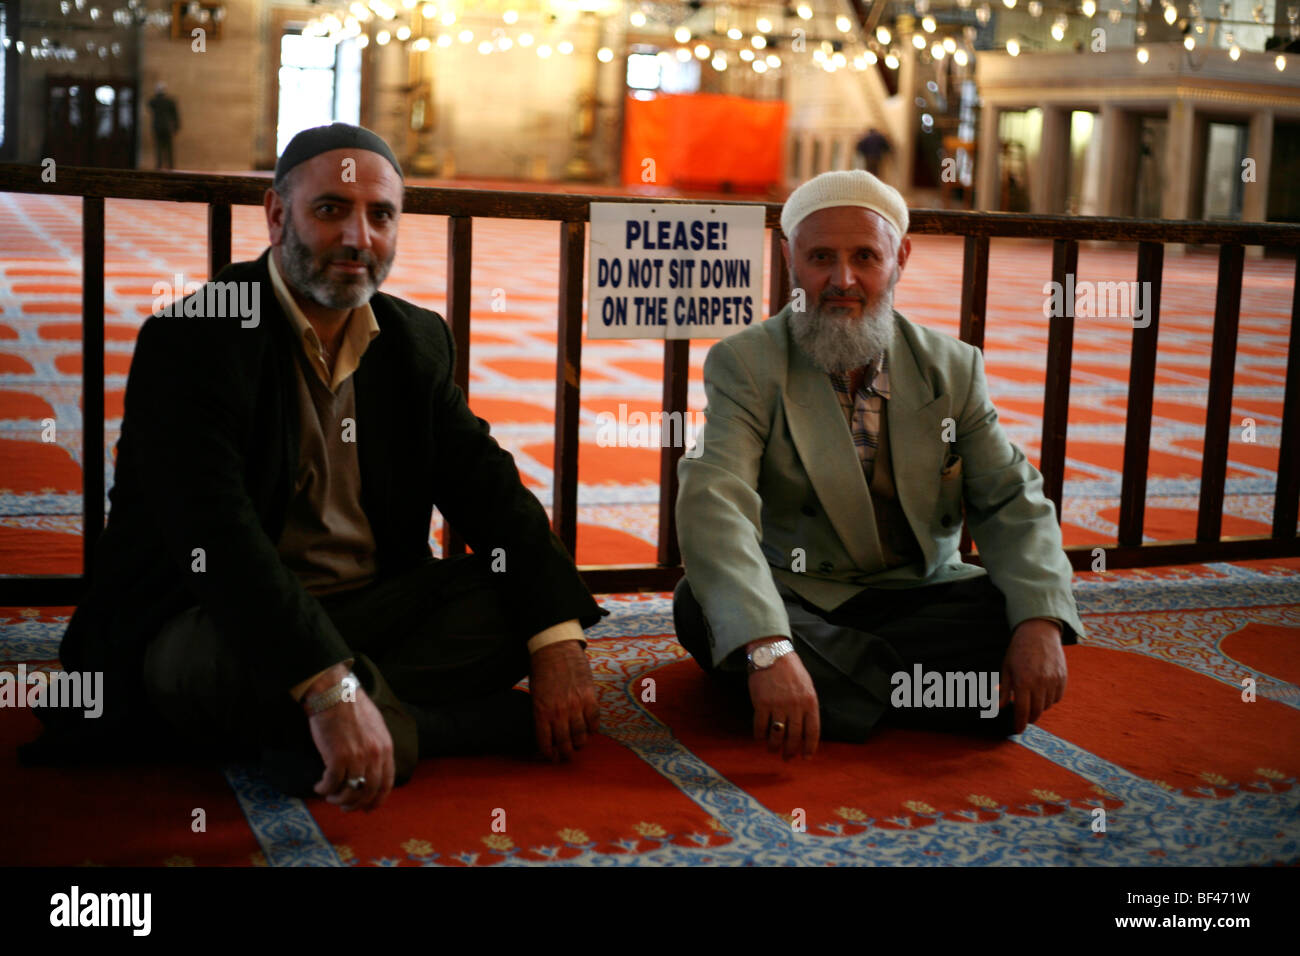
354	742
564	699
1033	672
786	713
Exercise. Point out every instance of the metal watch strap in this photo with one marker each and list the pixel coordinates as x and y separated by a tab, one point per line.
778	650
347	687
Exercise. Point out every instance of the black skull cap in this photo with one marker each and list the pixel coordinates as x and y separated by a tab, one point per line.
322	139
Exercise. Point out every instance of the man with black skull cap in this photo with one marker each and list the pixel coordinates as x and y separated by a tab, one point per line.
265	584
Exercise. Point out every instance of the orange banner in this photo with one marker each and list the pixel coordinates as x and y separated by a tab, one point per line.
703	141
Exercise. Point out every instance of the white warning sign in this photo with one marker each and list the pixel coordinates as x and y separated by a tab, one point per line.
674	271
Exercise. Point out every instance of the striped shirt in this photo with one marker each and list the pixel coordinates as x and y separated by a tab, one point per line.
862	394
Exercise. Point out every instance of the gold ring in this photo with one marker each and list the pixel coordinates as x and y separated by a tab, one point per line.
778	726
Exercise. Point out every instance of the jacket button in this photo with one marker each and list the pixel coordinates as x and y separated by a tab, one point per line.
946	520
826	567
809	511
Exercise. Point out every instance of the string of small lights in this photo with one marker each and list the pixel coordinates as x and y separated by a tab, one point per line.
721	34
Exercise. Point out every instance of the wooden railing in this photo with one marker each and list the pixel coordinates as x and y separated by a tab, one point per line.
571	212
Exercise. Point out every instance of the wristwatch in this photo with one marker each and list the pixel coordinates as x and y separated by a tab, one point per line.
346	689
765	655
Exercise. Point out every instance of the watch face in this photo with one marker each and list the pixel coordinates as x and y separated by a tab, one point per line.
763	656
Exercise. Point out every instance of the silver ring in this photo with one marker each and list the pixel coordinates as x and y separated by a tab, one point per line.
356	783
778	726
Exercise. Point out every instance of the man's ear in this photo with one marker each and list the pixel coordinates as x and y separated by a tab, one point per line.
785	250
904	250
275	213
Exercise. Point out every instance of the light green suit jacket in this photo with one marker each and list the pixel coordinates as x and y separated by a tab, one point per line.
775	491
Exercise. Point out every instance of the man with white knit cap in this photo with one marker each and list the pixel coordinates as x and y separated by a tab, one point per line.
820	523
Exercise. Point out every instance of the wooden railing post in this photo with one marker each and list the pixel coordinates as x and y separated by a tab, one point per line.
974	289
219	237
1060	348
1141	395
1218	413
1286	500
974	302
778	276
460	264
568	372
92	378
677	357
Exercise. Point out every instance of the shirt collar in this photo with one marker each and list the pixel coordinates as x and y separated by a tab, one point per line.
875	376
360	330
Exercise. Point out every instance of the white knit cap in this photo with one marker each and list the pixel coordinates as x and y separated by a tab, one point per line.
850	187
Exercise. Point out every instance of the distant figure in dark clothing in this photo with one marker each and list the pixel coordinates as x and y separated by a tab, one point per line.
166	124
873	147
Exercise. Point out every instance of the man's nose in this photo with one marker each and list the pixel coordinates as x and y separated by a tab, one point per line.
842	274
357	232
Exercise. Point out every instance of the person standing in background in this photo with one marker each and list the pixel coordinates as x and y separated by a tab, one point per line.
166	124
873	147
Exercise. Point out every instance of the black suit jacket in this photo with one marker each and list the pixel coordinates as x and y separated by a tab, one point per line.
207	459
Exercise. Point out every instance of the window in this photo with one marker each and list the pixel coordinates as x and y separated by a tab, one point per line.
662	71
320	82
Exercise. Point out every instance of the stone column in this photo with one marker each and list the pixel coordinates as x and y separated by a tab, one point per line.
1177	166
1196	161
1051	178
1259	147
1119	159
988	193
904	153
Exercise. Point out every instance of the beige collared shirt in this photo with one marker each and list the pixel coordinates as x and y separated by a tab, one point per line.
330	544
361	329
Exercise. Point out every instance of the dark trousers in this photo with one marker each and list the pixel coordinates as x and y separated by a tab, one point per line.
163	150
852	652
433	636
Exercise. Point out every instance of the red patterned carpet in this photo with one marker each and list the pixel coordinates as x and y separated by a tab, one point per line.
1153	731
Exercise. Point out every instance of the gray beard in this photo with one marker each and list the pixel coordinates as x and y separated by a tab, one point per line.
302	272
837	344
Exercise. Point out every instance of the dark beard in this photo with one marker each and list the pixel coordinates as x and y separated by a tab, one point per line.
313	281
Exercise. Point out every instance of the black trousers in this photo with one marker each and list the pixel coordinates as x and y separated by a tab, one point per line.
163	151
852	652
435	635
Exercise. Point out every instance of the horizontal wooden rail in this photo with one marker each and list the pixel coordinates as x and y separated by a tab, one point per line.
571	212
572	207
